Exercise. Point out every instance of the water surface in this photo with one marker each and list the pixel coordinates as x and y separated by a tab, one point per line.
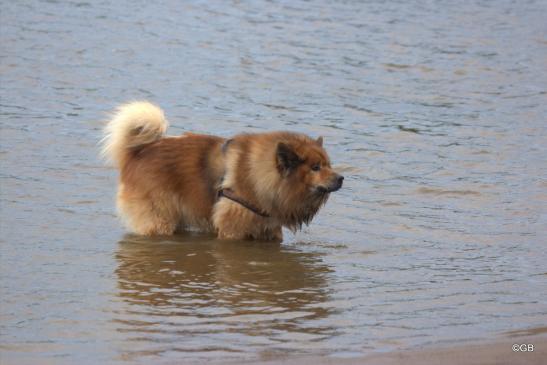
434	112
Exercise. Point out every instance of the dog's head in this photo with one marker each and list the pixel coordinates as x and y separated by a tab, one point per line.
306	164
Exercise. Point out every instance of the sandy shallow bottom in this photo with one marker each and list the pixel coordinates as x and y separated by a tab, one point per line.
487	353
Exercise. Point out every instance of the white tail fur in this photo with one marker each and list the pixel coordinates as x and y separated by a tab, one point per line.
133	125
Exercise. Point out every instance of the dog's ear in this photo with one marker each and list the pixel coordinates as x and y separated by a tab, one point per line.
319	141
287	159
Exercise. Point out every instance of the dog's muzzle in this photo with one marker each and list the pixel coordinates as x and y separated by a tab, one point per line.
334	186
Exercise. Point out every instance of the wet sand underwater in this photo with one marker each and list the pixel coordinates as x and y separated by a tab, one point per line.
488	353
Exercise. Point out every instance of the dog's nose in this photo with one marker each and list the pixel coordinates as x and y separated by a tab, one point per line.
335	183
338	180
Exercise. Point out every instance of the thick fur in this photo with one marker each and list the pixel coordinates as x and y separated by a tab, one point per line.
169	184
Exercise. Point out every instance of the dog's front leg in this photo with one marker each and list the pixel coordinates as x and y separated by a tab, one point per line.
235	222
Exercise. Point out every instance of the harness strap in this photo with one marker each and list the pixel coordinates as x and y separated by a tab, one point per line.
225	145
229	194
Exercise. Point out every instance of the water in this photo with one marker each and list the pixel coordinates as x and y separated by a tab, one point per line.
435	112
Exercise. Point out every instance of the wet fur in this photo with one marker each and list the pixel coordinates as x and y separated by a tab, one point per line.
170	184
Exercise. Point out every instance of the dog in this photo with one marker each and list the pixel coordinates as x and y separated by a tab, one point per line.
244	187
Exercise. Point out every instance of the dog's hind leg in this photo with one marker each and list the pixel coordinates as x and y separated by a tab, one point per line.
142	217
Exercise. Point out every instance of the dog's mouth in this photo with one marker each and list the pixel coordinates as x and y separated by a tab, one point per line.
327	190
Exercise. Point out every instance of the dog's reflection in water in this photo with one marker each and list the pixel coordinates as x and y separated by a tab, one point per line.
203	286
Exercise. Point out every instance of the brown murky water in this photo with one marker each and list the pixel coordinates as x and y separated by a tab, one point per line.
435	112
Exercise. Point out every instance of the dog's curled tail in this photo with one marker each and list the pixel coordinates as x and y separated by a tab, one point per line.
132	126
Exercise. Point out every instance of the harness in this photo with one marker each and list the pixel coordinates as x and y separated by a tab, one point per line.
230	194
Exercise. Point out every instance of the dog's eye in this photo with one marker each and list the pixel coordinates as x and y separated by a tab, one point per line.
316	167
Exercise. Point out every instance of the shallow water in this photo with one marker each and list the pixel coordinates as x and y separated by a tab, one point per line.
435	112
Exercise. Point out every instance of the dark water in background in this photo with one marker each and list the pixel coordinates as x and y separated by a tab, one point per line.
434	111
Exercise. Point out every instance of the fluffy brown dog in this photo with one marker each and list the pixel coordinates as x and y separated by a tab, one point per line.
246	187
